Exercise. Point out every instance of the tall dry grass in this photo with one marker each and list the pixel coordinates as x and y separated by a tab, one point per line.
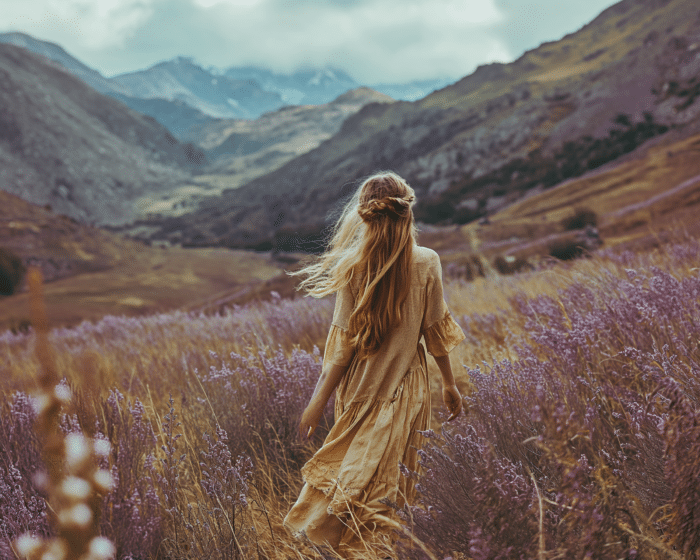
200	410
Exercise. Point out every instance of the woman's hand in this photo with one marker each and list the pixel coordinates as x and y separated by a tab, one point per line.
453	400
327	382
310	418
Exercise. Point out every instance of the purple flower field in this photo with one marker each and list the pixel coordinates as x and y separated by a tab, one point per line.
581	438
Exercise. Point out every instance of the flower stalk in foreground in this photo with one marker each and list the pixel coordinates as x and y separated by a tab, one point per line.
73	484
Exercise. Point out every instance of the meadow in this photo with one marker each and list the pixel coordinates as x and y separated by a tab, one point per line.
581	436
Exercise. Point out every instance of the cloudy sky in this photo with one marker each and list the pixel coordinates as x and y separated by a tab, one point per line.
373	40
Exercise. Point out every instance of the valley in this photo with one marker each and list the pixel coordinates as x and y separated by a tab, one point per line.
584	143
90	272
484	142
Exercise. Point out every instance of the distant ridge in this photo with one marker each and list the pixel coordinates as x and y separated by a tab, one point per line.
57	54
182	79
180	93
240	150
316	86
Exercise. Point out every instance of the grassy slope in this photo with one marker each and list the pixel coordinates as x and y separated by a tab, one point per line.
146	281
651	191
95	273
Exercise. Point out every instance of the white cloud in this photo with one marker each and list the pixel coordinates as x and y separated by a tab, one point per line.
82	25
373	40
234	3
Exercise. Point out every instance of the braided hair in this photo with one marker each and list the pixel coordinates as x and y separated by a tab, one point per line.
390	206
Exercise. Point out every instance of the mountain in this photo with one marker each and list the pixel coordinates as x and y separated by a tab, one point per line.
87	155
319	86
183	80
558	111
411	91
175	115
304	87
57	54
240	150
179	94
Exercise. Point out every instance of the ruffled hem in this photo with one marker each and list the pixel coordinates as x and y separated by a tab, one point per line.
442	336
340	468
356	471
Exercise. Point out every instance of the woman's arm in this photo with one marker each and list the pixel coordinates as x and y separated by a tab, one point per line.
450	393
330	377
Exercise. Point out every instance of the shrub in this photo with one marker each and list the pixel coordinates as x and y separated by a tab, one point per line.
22	505
258	400
566	249
472	501
580	218
210	521
585	444
131	515
12	272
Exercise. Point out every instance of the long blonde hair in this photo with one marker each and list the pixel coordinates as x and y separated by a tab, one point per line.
372	244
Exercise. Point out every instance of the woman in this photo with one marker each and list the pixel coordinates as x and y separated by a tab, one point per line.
388	295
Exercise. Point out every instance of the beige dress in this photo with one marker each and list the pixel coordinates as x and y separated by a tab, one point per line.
381	403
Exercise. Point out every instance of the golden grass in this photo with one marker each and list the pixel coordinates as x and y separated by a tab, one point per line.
154	356
635	200
147	280
659	169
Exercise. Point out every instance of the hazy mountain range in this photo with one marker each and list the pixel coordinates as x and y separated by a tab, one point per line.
317	86
180	93
91	157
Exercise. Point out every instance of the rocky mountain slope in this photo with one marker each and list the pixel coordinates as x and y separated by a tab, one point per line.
240	150
57	54
175	115
470	148
87	155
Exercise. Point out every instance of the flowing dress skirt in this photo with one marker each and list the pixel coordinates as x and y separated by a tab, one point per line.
354	478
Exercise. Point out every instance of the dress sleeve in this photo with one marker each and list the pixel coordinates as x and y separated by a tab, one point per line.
339	351
440	330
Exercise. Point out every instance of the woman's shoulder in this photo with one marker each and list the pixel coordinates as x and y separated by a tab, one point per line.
425	256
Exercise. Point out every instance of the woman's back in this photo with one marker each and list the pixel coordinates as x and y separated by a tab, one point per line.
378	376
